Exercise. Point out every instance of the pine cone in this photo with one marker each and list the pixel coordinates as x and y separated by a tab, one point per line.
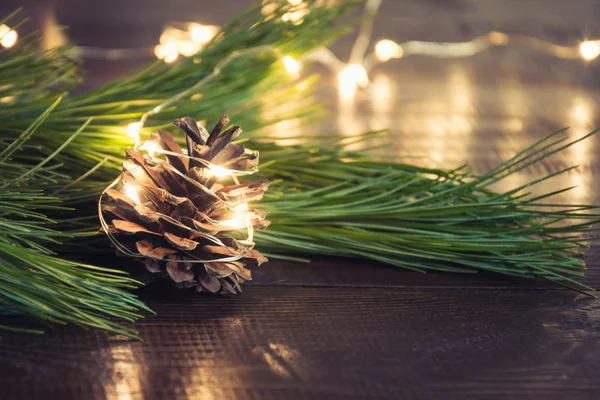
171	210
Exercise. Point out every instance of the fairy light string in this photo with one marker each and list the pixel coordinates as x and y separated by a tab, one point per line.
242	216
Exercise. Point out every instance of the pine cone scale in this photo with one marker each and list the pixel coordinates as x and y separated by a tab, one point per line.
183	215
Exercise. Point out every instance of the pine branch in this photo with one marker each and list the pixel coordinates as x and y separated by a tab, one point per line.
35	282
327	200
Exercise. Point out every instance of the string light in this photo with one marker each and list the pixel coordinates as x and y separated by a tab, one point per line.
202	34
234	223
241	207
8	37
220	172
131	192
590	49
353	75
163	51
174	42
133	131
387	49
291	65
151	147
171	57
296	10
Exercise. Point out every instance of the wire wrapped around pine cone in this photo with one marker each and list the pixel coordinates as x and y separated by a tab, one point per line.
174	210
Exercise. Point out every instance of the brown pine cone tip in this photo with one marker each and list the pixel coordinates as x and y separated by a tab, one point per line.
175	212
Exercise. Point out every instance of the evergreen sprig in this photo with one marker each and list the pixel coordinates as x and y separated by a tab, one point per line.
324	199
33	280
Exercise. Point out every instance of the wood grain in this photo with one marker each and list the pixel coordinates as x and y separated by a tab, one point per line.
346	329
309	343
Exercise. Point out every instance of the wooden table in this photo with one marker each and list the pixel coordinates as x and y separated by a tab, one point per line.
345	329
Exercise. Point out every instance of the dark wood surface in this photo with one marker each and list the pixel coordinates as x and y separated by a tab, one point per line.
344	328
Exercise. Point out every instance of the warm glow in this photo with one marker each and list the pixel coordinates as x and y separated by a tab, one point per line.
295	2
268	9
202	34
133	130
220	172
188	48
292	66
353	75
151	147
387	49
590	49
172	35
234	223
295	17
131	192
241	207
498	38
162	51
167	52
171	57
8	37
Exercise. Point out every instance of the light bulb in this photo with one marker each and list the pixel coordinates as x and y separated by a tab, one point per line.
220	172
162	51
291	65
172	35
241	207
590	49
353	75
498	38
202	34
188	48
387	49
295	17
234	223
151	147
131	192
268	9
171	57
133	130
8	37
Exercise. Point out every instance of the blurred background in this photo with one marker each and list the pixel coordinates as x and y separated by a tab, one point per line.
441	111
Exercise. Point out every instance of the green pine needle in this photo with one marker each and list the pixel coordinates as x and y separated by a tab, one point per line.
34	281
325	200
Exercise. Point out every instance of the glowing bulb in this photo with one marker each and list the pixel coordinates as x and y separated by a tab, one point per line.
295	17
188	48
220	172
387	49
590	49
234	223
171	57
202	34
131	192
162	51
133	130
268	9
241	207
353	75
172	35
498	38
151	147
292	66
8	37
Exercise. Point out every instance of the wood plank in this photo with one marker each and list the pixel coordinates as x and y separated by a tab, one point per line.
308	343
343	272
